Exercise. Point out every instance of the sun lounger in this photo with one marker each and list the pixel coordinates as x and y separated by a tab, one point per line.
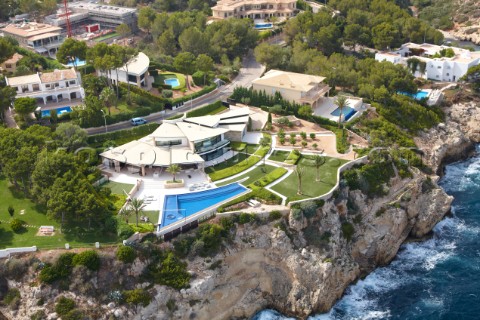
255	202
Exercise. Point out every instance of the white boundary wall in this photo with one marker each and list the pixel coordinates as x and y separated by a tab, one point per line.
5	253
329	194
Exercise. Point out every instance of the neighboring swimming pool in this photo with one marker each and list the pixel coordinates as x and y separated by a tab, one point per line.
263	25
347	113
179	206
78	63
172	82
60	111
418	96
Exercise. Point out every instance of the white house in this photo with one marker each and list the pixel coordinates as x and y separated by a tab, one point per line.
49	86
134	72
437	68
188	142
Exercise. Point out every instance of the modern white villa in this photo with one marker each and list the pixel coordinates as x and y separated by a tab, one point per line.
49	86
187	142
437	68
294	87
134	72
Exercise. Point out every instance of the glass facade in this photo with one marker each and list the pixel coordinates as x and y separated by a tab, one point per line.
168	143
208	144
213	155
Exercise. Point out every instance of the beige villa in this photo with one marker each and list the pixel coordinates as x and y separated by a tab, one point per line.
42	38
10	65
254	9
294	87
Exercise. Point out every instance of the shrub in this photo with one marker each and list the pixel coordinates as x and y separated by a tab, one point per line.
292	141
171	306
137	296
312	136
12	297
293	157
124	231
309	208
16	225
274	215
296	213
11	211
49	274
125	254
39	315
198	78
315	146
88	258
282	141
303	134
167	93
208	109
64	305
64	264
245	218
304	143
73	315
347	230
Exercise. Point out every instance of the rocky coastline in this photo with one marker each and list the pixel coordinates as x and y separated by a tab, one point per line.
304	266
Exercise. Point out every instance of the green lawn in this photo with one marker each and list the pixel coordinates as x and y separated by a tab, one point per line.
225	164
35	216
105	37
152	216
279	155
117	187
310	188
253	175
159	79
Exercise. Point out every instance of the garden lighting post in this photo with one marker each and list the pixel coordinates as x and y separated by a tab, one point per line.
105	119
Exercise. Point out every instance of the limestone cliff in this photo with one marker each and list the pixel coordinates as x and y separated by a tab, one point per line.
299	266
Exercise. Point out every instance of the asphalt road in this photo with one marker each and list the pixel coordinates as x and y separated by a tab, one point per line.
250	71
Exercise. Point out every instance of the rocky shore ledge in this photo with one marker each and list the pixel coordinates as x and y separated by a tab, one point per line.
305	266
265	267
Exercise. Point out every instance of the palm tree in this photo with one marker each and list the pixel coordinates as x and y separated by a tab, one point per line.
299	171
107	96
264	142
125	212
341	102
174	169
318	161
136	206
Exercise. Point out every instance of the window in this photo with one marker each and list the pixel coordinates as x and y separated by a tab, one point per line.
439	67
57	84
72	82
448	74
8	65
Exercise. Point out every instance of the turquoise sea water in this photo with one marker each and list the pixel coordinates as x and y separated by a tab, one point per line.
435	279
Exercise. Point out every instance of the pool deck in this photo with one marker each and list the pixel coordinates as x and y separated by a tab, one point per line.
327	105
63	103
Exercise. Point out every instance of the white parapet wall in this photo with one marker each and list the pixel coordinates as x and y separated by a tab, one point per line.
5	253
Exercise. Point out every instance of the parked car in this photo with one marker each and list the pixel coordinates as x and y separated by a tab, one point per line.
137	121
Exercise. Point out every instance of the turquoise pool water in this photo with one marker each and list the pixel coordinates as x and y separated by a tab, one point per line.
263	26
60	111
347	112
172	82
179	206
78	63
418	96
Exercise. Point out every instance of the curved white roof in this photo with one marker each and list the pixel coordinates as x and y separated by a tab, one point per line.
137	65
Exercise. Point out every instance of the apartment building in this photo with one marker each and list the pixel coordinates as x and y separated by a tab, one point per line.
254	9
83	13
42	38
437	67
294	87
49	86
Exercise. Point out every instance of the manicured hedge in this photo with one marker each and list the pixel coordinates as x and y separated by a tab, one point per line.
208	109
199	77
267	179
134	132
197	94
293	157
239	167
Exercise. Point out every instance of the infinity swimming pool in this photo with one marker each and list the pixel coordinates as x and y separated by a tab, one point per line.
347	113
263	25
418	96
60	111
172	82
179	206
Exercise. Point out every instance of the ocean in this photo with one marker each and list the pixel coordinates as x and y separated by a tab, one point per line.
435	279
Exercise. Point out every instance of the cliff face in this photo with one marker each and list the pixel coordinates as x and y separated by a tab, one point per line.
305	265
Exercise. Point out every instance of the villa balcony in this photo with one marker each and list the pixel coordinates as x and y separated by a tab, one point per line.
315	94
217	145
